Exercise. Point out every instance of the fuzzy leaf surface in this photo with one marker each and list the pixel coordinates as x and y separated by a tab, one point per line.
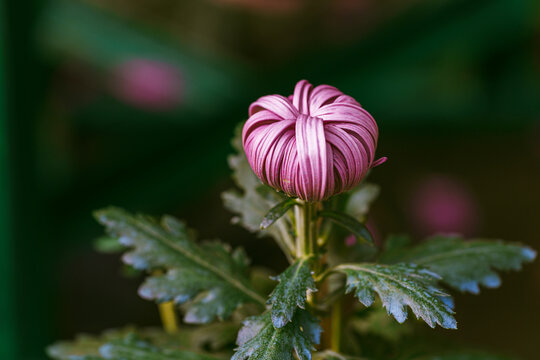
87	347
121	345
208	277
291	291
260	340
254	200
84	347
399	286
133	348
464	265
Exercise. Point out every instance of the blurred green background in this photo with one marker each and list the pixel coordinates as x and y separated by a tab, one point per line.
133	103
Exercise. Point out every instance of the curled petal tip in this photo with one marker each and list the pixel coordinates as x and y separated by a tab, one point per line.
379	161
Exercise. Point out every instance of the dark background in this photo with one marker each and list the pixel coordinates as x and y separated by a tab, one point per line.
133	103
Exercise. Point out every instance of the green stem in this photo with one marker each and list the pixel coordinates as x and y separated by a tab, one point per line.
306	229
313	234
335	326
299	214
306	234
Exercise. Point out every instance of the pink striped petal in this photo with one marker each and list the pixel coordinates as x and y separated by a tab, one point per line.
313	144
279	105
311	149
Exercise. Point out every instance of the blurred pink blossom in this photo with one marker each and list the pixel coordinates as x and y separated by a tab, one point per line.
148	84
442	204
350	240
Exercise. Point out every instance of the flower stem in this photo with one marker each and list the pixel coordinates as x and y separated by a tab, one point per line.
335	326
168	317
299	214
306	229
306	234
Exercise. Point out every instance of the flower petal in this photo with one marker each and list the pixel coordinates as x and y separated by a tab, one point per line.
279	105
301	96
311	149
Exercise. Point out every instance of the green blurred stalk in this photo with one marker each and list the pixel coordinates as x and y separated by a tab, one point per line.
7	338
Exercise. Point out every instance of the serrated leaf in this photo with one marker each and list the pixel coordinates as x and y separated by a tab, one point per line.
349	223
277	212
84	347
188	342
254	200
399	286
87	347
360	200
133	348
465	265
291	291
207	277
260	340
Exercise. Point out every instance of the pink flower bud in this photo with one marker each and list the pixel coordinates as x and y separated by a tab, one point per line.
316	143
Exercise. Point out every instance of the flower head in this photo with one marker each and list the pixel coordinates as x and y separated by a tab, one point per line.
313	144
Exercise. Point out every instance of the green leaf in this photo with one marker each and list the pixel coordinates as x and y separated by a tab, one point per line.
87	347
129	347
291	291
260	340
187	343
349	223
399	286
84	347
133	348
208	277
255	200
108	245
277	212
360	200
462	264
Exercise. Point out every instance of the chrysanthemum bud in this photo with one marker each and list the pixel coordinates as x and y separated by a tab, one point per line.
316	143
